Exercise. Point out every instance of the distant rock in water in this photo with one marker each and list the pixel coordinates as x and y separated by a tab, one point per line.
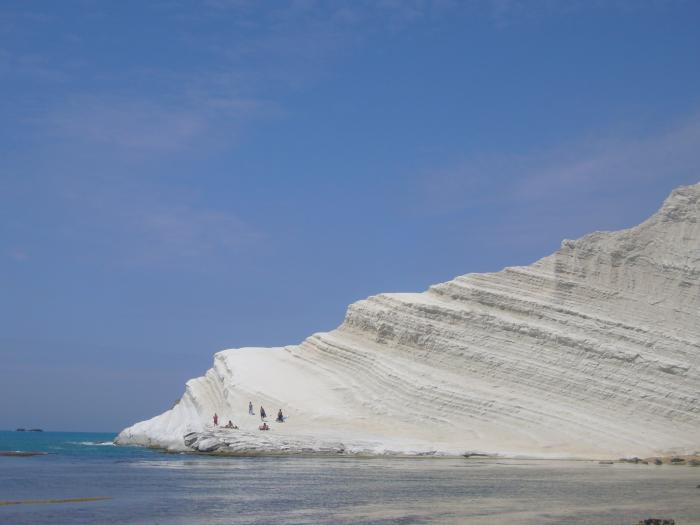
21	430
592	351
35	430
21	454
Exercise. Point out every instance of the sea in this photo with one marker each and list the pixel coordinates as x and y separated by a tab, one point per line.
85	479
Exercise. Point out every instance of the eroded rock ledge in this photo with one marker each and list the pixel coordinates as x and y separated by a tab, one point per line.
242	443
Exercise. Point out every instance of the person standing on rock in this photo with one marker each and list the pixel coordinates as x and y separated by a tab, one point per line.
263	415
250	408
216	420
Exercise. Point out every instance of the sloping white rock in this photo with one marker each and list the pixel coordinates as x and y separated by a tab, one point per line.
590	352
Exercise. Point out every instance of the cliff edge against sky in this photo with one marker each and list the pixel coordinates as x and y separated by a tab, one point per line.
592	351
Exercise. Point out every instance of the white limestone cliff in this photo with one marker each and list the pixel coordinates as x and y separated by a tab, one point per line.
593	351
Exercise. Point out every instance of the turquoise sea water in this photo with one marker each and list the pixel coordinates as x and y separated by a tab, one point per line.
62	445
150	487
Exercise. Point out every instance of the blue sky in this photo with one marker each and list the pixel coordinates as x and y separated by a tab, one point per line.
181	177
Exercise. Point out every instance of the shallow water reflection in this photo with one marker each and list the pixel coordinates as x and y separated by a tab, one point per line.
298	490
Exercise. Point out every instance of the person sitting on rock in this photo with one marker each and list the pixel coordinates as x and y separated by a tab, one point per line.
264	426
263	415
280	417
231	425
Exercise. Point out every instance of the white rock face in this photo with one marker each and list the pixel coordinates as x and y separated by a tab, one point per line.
590	352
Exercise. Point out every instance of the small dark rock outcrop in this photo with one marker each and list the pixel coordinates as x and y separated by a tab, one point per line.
656	521
190	438
636	461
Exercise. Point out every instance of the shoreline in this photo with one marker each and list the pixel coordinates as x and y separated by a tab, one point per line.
689	460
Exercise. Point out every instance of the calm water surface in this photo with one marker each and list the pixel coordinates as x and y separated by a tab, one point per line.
149	487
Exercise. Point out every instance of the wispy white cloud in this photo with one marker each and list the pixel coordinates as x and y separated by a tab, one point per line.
505	13
203	115
532	201
118	218
282	47
613	163
125	123
586	166
185	231
134	222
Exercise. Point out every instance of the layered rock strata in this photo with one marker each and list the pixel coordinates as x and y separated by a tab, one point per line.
590	352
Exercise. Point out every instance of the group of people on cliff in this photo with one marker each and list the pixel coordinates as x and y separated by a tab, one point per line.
251	411
263	414
227	425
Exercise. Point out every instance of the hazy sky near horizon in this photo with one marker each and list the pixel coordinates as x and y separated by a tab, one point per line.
181	177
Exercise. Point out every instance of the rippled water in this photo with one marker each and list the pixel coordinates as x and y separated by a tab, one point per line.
149	487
